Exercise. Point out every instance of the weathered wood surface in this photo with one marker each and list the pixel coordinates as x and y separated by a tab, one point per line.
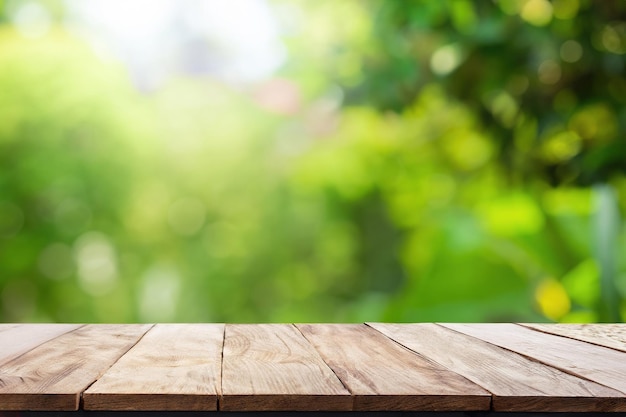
382	375
174	367
273	367
596	363
609	335
53	375
517	383
313	367
17	339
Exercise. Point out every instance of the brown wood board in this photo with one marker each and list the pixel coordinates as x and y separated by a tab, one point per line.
609	335
174	367
596	363
272	367
383	375
53	375
313	367
517	383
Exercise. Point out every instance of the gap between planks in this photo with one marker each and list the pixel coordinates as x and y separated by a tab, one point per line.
517	380
220	399
345	386
329	367
529	357
383	375
586	333
568	358
23	345
272	367
491	396
174	367
81	400
221	385
53	376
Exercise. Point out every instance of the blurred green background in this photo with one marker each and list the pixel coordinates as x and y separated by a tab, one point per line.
327	161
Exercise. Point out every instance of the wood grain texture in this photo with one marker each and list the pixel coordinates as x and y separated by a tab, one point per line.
17	339
596	363
174	367
271	367
609	335
53	375
383	375
517	383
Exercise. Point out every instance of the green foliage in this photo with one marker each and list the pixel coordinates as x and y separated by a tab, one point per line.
545	78
436	168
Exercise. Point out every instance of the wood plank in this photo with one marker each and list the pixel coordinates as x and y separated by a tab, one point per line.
174	367
596	363
52	376
517	383
17	339
271	367
609	335
384	376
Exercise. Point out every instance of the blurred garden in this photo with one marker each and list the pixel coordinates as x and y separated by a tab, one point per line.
312	161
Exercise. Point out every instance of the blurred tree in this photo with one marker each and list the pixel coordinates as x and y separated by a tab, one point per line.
67	168
413	160
545	83
546	78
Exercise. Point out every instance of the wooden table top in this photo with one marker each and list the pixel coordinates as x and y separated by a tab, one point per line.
313	367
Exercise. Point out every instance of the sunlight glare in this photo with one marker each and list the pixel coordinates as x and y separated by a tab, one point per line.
235	41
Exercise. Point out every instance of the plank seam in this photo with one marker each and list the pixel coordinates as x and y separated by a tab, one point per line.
491	394
220	394
352	396
81	399
529	327
80	326
533	359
